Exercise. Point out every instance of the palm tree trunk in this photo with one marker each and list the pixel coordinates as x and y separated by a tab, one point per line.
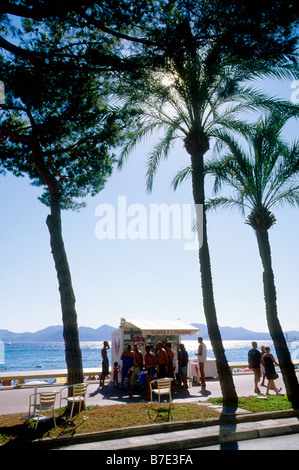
281	348
230	398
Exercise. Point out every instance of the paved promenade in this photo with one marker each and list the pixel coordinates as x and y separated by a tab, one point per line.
168	437
16	400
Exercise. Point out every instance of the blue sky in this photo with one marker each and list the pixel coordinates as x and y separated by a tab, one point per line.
141	278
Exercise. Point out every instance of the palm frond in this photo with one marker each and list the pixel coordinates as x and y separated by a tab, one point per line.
145	131
234	168
282	71
262	102
160	150
288	197
283	68
211	97
181	176
265	174
226	202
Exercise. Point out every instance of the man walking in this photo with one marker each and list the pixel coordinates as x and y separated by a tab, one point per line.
254	362
202	358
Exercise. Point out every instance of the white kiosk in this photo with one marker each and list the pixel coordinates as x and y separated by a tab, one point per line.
145	332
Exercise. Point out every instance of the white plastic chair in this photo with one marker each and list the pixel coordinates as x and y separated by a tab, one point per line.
163	388
78	396
43	401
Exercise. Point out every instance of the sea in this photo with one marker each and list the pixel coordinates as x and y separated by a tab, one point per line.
34	356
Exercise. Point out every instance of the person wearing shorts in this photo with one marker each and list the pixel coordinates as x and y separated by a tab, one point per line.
162	361
105	364
202	358
254	361
150	362
127	359
138	364
183	364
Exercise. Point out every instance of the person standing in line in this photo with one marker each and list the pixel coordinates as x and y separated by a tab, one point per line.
127	359
271	374
254	361
150	362
183	364
170	366
138	365
105	364
202	358
116	372
162	361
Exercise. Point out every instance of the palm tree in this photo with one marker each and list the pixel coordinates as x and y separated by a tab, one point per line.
192	99
262	175
193	88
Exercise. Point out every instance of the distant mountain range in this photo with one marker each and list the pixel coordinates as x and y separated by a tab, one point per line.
54	334
230	333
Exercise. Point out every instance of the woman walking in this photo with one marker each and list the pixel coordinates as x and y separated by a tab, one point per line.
271	375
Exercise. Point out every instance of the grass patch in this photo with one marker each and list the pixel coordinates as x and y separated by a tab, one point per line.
104	418
255	404
101	418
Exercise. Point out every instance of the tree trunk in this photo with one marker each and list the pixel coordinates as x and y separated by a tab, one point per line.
230	398
281	348
67	297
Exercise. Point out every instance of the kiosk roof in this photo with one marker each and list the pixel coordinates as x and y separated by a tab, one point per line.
160	326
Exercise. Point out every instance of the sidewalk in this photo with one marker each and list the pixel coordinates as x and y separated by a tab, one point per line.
184	436
16	400
165	436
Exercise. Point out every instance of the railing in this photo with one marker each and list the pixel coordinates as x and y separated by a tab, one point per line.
60	375
6	378
242	367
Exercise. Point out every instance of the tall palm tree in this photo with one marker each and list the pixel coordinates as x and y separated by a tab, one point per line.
263	174
196	95
205	78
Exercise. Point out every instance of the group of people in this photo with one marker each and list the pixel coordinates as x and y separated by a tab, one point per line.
160	364
263	364
157	362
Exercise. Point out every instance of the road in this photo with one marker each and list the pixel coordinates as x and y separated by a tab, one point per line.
289	442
